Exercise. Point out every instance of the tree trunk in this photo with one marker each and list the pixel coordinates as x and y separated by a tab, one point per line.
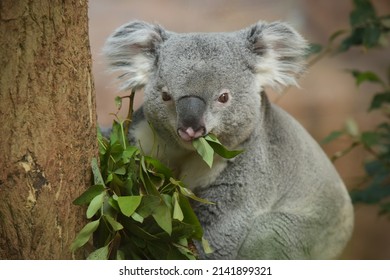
47	126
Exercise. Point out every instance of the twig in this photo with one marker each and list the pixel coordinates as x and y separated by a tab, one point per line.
130	112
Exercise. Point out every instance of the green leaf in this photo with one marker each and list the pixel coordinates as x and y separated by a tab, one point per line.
191	218
363	12
177	212
187	192
204	150
89	194
137	217
114	224
351	127
128	204
370	138
206	246
99	254
371	36
148	204
118	102
219	148
121	171
354	39
158	166
147	182
379	99
128	153
95	205
117	135
98	179
384	208
84	235
102	142
162	216
314	49
366	76
332	136
182	246
138	231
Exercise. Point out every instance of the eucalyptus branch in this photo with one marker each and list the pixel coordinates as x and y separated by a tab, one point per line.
130	112
345	151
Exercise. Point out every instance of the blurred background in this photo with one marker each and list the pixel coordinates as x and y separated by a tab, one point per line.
327	97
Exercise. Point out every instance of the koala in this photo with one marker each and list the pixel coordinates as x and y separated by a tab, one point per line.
281	198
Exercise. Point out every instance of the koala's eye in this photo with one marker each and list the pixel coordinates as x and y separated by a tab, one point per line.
166	96
224	97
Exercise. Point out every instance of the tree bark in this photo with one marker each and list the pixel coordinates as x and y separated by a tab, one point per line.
47	126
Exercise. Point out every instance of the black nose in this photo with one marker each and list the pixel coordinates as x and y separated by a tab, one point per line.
190	111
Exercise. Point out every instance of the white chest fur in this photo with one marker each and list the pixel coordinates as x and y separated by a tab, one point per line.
187	165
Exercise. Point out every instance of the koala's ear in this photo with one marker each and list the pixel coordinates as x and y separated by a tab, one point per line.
132	50
280	51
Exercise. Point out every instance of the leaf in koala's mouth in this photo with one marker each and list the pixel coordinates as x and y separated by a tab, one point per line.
207	145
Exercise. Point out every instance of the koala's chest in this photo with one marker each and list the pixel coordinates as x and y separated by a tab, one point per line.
187	166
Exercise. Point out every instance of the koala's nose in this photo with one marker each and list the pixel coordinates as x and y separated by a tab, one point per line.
190	111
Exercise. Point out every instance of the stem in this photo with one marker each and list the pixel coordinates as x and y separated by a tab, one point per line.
124	135
130	112
345	151
320	56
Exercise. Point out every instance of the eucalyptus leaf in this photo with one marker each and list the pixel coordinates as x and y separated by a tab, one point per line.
145	178
206	246
158	166
190	218
129	152
366	76
220	149
177	212
188	193
332	136
98	179
128	204
183	249
95	205
370	138
89	194
113	223
314	49
137	217
204	150
379	100
162	216
84	235
120	171
118	102
99	254
371	36
148	204
102	142
351	127
363	12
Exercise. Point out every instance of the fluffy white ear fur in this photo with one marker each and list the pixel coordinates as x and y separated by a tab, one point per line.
131	50
281	53
280	50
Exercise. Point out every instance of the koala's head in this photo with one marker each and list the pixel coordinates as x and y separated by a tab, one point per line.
200	83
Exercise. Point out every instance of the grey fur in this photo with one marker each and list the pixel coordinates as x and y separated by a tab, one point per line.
281	198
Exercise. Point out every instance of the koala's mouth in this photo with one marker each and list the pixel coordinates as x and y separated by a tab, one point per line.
189	134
